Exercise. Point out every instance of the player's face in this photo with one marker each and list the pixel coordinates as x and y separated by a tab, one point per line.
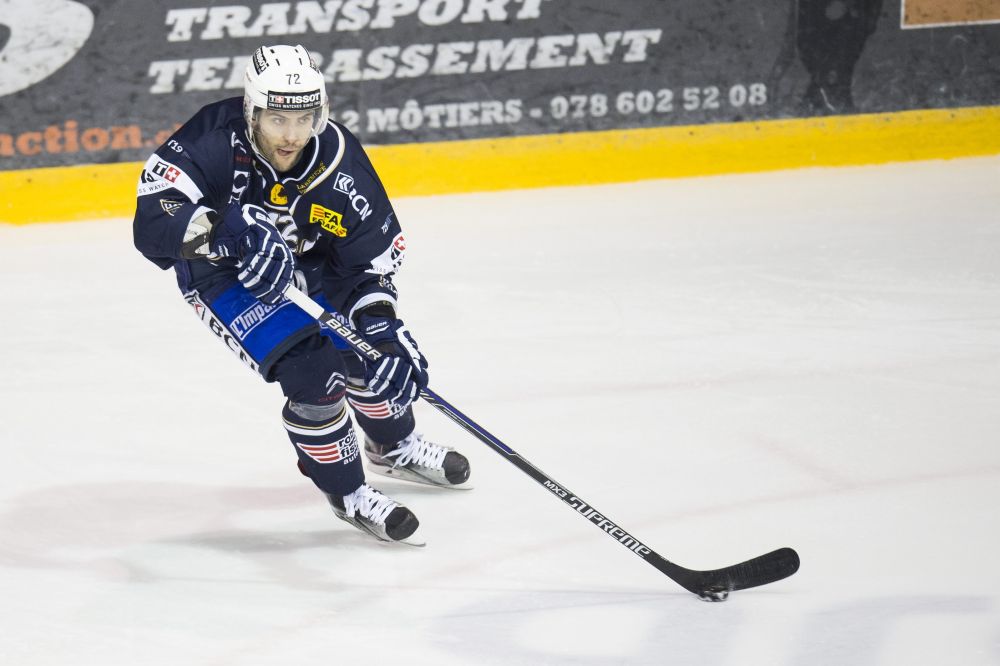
281	136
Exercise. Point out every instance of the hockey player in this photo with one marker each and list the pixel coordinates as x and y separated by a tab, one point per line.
252	194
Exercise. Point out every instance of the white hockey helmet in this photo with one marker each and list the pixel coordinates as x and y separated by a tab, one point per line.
284	78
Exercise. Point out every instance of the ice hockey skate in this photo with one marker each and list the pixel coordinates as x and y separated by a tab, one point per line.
419	460
375	513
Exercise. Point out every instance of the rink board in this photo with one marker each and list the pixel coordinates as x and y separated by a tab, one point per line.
108	190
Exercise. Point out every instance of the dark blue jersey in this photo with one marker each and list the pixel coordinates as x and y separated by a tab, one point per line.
347	235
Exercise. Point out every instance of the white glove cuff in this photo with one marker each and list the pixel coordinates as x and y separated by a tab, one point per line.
200	225
368	299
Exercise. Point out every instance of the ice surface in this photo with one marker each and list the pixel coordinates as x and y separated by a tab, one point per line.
723	366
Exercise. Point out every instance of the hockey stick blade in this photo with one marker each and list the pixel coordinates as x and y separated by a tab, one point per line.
716	584
711	585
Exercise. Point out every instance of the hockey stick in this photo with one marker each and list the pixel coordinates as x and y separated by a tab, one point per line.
712	585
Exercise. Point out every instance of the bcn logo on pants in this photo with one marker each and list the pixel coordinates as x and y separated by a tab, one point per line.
209	319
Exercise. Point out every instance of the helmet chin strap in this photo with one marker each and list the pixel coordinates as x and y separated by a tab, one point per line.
256	149
250	118
252	139
252	135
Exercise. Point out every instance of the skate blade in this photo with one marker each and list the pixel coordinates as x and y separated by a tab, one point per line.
411	540
406	475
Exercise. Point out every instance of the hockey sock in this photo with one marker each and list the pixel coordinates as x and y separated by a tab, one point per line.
382	421
327	449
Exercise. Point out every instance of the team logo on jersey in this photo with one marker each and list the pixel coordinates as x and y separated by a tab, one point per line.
345	449
170	207
278	195
328	219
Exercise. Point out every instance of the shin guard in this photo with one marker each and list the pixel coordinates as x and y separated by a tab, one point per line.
327	449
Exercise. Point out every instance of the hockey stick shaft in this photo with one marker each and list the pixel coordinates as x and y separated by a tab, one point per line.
758	571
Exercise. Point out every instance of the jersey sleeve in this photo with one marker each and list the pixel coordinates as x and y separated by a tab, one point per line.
175	187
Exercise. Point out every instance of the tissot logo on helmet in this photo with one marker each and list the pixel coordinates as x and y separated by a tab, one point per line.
294	101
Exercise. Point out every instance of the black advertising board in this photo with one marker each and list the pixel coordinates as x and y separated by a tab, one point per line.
104	82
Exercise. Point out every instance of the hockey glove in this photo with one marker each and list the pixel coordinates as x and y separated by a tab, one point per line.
264	262
402	371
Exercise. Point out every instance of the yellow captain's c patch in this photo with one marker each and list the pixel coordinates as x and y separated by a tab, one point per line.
328	219
278	195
